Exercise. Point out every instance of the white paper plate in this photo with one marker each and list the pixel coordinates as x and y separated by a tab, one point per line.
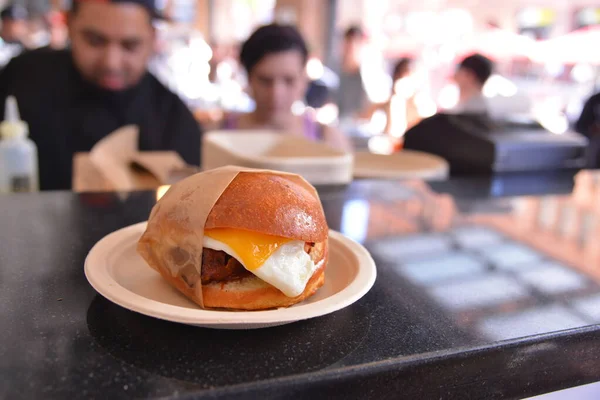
118	273
406	164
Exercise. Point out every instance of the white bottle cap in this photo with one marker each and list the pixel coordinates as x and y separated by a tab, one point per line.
12	126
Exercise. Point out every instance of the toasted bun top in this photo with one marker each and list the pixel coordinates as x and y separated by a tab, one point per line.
270	204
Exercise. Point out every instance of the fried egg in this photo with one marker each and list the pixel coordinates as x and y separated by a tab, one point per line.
278	261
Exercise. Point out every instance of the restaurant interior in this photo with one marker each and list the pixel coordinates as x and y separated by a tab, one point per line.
450	148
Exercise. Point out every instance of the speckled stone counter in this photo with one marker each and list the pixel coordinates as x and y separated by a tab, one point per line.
478	296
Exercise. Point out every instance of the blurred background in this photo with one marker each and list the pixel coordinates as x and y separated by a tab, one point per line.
544	51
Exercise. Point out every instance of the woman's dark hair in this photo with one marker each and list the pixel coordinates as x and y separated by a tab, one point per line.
269	39
402	67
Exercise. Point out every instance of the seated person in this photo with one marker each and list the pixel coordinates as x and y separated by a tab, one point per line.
588	124
275	59
351	96
439	134
470	77
73	98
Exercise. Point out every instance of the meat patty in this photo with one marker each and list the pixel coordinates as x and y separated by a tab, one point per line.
218	266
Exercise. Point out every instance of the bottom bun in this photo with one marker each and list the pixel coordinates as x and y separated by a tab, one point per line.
249	293
253	293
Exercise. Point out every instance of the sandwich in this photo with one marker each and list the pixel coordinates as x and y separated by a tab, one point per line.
262	244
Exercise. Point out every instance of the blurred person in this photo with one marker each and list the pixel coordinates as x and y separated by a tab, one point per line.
220	58
14	24
13	32
470	77
400	109
58	31
38	34
588	124
351	97
470	115
73	98
274	58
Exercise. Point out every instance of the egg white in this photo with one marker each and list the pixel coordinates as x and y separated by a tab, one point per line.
288	269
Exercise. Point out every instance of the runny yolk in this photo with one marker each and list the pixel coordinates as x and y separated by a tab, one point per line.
253	248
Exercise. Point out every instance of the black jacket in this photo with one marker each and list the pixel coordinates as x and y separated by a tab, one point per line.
66	114
590	117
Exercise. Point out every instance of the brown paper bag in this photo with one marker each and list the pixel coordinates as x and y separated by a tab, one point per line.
115	164
191	213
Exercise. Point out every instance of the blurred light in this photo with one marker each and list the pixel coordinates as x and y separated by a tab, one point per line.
449	96
397	116
224	71
298	108
195	89
582	73
555	123
425	105
554	69
210	93
355	220
327	114
430	58
548	114
393	23
378	121
377	83
446	53
589	16
533	17
160	192
455	22
330	78
230	93
405	87
381	144
200	48
314	69
574	108
499	85
421	24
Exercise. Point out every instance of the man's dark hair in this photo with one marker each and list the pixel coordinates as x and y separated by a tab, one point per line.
402	67
270	39
354	32
147	4
481	66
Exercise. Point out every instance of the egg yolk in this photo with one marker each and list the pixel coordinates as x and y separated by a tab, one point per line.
253	248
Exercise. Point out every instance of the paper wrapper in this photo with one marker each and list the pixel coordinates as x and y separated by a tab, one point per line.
108	166
188	203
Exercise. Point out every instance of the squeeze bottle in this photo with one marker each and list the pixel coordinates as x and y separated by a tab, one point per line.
18	153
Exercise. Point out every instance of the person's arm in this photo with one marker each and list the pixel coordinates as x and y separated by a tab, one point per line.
335	138
588	118
185	133
371	109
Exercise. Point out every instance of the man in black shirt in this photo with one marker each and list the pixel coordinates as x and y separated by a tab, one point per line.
589	121
589	125
71	99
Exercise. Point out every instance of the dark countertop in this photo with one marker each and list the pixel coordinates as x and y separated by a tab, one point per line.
462	308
